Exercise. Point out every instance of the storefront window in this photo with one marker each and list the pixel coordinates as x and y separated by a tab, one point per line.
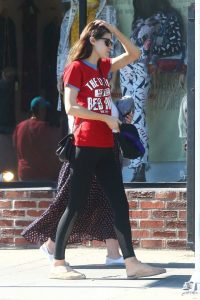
35	37
166	101
30	125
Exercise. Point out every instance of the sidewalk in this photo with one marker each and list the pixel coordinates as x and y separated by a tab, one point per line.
24	276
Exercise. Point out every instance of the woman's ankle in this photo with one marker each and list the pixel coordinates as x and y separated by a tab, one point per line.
112	249
57	263
130	262
50	246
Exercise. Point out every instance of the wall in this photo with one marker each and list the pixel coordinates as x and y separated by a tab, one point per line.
158	217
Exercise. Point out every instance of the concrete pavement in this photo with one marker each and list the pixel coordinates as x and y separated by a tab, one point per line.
24	276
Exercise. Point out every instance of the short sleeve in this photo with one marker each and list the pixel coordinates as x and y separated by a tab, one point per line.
72	75
105	66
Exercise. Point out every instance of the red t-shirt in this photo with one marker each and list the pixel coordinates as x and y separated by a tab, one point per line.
94	94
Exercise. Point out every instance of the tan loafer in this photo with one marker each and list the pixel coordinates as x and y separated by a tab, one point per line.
145	270
65	273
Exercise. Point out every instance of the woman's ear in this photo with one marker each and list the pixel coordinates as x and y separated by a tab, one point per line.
92	41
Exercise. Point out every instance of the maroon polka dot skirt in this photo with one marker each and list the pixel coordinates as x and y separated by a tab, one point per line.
94	223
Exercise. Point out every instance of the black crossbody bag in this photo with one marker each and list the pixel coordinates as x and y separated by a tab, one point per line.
65	148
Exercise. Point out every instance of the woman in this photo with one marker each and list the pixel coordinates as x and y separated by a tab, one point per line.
89	226
87	88
157	31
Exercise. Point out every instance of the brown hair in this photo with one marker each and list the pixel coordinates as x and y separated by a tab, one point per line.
83	48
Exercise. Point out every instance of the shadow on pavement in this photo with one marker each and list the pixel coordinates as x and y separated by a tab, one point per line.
168	266
172	282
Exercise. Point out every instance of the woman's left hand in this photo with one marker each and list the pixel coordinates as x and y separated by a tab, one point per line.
129	118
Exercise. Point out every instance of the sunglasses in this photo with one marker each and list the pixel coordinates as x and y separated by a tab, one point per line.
107	42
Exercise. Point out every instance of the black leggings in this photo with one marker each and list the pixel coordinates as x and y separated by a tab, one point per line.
86	162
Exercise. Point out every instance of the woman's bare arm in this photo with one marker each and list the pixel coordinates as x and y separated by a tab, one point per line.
131	54
72	108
